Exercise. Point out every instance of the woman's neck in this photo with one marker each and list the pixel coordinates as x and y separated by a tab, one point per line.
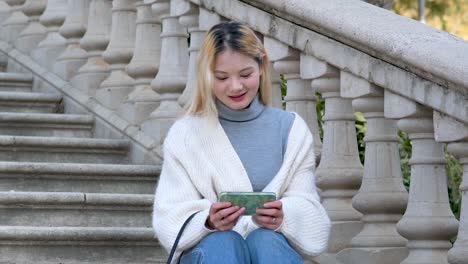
251	112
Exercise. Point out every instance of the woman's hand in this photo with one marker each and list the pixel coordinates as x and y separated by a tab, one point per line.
223	216
270	216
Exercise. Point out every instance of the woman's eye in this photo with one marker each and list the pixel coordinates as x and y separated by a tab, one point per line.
220	78
246	75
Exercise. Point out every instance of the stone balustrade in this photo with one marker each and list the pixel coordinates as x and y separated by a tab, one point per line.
138	58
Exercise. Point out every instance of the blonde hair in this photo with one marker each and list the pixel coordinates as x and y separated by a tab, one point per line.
239	38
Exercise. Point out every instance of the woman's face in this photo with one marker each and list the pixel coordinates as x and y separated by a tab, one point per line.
237	79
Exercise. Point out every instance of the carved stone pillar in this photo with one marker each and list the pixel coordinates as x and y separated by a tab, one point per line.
34	32
339	173
4	11
450	130
311	68
299	95
15	23
198	23
73	29
382	197
145	63
189	19
171	78
54	44
428	222
118	54
94	42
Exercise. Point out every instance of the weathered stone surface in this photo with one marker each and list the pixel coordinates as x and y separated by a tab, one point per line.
56	149
29	102
34	124
75	209
76	177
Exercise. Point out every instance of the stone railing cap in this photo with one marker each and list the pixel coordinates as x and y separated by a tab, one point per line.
383	34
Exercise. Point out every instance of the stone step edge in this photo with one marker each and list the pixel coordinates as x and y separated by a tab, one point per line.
14	77
78	169
64	199
45	119
29	97
63	142
33	233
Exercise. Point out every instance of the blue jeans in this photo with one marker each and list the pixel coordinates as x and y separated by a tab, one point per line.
262	246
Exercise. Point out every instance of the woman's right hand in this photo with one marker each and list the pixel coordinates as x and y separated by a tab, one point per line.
223	216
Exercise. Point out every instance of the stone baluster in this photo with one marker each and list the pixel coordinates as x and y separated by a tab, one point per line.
4	11
171	78
455	133
15	23
94	42
54	44
299	93
382	197
145	62
339	173
189	19
118	54
206	19
428	222
73	29
311	69
34	32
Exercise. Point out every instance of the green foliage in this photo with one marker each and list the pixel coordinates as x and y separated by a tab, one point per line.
360	124
454	175
448	15
405	156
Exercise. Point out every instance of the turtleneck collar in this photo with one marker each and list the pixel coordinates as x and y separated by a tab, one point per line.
253	111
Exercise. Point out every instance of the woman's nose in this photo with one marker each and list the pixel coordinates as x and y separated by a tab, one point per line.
236	85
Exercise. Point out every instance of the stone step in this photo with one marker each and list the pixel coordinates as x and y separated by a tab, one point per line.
75	209
63	149
34	124
73	245
30	102
75	177
15	82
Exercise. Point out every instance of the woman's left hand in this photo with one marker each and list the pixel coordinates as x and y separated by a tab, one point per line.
270	216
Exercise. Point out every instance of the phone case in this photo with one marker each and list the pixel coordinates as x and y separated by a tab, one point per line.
250	200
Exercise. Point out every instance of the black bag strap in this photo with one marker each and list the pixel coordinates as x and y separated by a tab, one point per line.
176	242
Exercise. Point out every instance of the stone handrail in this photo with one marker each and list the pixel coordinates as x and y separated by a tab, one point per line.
433	54
433	70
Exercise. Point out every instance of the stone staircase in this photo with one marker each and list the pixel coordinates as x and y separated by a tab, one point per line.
65	196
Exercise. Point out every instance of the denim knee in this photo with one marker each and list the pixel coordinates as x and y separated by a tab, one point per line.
229	239
218	247
268	246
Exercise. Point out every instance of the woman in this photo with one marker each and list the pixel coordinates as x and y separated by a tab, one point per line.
231	140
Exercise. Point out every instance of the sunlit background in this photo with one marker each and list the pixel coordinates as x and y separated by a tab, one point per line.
447	15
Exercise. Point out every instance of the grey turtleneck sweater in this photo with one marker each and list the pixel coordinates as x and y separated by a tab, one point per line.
259	136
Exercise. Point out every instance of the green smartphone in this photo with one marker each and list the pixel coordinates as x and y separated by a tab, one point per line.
250	200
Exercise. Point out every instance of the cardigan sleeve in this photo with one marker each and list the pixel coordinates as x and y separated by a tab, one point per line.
176	198
306	223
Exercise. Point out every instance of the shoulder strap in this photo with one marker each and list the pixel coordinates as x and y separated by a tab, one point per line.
176	242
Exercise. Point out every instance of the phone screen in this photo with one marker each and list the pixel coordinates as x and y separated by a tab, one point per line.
250	200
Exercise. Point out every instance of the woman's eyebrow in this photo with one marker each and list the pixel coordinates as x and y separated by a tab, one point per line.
245	69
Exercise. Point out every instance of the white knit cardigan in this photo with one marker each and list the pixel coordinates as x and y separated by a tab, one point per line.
200	162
